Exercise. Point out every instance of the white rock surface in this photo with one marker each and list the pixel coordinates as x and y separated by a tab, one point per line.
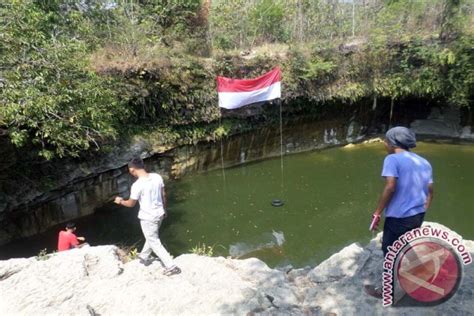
345	263
92	281
346	296
467	133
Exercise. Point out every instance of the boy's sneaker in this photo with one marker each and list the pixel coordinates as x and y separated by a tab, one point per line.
172	271
145	262
373	291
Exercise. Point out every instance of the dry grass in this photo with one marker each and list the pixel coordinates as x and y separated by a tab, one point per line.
126	59
127	253
123	59
268	49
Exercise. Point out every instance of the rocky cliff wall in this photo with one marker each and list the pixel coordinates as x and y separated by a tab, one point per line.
29	207
52	193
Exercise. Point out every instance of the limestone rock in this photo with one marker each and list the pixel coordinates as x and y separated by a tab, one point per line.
12	266
345	296
467	133
439	124
373	140
93	280
345	263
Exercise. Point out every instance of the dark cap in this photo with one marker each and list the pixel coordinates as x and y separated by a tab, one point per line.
401	137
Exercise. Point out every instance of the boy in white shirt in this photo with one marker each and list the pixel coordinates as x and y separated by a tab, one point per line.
149	191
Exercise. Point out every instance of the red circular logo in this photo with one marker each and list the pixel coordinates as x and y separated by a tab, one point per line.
429	272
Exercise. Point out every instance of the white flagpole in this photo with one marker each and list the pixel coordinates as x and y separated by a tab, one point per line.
279	202
222	152
281	146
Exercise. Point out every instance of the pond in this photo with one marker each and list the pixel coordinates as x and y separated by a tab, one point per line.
328	195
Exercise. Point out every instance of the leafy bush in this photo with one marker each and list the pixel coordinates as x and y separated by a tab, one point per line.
49	97
77	75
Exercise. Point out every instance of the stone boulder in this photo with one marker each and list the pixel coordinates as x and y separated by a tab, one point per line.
467	133
97	280
354	267
94	280
345	263
439	124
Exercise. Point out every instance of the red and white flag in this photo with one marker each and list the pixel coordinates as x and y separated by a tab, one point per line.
235	93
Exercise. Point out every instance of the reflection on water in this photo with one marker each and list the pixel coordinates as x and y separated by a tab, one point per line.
329	197
273	242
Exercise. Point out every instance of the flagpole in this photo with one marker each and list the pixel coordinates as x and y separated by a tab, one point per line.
222	152
281	146
236	93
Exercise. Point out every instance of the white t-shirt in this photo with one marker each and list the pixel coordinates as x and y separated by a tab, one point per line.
147	191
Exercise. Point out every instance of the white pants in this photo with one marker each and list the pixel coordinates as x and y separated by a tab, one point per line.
153	243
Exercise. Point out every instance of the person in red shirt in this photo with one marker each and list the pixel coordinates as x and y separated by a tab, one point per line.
68	240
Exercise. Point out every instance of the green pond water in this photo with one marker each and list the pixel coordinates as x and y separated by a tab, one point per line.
329	197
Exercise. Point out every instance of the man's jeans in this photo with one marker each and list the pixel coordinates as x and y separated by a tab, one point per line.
153	243
395	227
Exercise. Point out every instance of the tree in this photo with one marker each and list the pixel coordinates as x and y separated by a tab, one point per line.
49	97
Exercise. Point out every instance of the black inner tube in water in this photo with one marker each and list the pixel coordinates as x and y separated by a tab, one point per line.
277	203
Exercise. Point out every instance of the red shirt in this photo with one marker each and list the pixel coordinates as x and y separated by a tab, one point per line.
66	240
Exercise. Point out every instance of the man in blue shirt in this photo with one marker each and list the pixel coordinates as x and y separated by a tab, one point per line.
408	190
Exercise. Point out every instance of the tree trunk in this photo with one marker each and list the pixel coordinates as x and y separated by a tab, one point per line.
374	104
204	23
469	116
447	25
391	113
353	18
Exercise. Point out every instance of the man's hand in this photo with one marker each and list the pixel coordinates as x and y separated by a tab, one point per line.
81	238
375	222
384	200
127	203
430	196
118	200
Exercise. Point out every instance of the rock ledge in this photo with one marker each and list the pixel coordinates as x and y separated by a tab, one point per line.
93	281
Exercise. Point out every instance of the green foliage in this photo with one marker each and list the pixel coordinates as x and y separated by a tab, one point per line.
191	134
50	98
184	93
318	69
459	63
243	23
266	18
132	254
43	255
139	25
430	71
127	253
203	250
77	75
229	24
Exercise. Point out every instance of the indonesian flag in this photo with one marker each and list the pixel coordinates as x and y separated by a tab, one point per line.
235	93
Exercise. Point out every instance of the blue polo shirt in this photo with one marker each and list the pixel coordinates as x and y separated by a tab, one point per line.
413	174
